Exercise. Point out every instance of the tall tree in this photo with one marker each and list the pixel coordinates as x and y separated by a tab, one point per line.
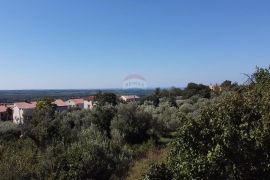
106	98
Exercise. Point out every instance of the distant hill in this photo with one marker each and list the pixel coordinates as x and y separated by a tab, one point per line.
10	96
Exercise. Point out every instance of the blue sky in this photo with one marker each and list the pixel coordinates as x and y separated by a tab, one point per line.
59	44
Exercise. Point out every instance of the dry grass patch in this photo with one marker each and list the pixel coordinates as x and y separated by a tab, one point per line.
141	166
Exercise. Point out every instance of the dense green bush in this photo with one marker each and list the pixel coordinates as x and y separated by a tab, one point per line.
132	124
102	117
158	172
93	156
230	139
168	118
106	98
19	159
9	131
193	89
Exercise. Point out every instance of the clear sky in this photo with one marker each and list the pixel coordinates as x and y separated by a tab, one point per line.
59	44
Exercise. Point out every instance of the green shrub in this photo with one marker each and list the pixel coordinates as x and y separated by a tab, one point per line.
132	124
230	139
158	172
9	131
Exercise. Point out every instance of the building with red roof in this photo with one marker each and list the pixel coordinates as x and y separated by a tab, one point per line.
3	112
129	98
61	106
89	102
75	103
23	111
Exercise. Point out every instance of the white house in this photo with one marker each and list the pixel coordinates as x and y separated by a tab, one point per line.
61	106
129	98
23	111
75	103
89	102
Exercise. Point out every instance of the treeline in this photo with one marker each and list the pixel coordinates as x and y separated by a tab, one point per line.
192	90
209	135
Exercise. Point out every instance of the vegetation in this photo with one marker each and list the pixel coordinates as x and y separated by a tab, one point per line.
171	134
228	139
106	98
197	89
133	125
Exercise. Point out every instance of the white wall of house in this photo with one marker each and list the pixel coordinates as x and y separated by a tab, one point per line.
123	98
70	103
19	114
88	104
129	98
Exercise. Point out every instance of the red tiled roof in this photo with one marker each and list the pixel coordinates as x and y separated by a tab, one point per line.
59	103
26	105
78	101
3	109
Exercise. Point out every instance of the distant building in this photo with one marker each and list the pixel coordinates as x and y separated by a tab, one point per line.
3	110
23	111
75	103
89	102
61	106
3	113
129	98
215	88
